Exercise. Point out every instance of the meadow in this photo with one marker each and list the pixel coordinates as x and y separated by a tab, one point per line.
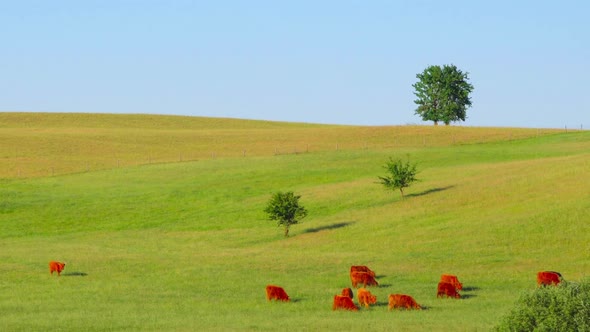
182	244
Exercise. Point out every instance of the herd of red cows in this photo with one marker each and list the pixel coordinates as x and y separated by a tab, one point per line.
449	286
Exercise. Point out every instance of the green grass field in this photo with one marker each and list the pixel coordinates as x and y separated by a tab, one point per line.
185	246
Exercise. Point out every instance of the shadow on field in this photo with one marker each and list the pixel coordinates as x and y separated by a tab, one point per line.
74	274
328	227
470	289
430	191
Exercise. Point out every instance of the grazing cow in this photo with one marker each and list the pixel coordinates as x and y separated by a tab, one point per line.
362	277
347	292
545	278
276	293
402	301
447	289
56	267
365	297
361	268
451	279
343	302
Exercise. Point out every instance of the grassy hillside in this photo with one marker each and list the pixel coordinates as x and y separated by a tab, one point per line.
185	246
46	144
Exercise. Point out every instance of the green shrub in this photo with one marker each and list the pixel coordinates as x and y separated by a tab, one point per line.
562	308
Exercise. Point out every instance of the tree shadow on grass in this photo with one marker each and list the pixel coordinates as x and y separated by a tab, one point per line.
329	227
74	274
430	191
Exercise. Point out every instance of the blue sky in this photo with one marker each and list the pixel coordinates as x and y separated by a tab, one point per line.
341	62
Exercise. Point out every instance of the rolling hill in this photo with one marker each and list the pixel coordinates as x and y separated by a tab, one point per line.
160	221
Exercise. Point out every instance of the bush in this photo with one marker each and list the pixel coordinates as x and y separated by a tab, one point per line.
565	307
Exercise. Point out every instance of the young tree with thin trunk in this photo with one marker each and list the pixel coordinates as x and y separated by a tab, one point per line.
285	209
400	175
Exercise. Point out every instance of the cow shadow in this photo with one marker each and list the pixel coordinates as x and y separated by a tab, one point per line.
384	285
74	274
430	191
470	289
329	227
467	296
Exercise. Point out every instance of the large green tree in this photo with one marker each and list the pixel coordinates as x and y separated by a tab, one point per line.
443	94
285	209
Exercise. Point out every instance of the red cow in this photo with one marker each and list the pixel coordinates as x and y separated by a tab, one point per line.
545	278
451	279
362	277
365	297
343	302
447	289
276	293
402	301
361	268
347	292
56	267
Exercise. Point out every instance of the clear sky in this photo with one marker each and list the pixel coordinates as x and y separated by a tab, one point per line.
320	61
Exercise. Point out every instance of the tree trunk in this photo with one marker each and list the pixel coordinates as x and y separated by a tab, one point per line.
401	190
286	231
436	123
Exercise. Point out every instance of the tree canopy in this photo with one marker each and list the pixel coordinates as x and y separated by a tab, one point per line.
285	209
443	94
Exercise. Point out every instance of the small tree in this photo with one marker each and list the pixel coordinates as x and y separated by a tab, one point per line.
443	94
400	175
285	209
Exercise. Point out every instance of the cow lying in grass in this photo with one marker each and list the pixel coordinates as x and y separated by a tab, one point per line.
56	267
347	292
343	302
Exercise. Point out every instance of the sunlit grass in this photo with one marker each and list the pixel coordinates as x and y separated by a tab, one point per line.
49	144
186	246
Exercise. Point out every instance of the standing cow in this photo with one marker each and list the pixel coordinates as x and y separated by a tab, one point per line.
452	279
276	293
402	301
447	289
362	278
365	297
362	268
55	266
545	278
